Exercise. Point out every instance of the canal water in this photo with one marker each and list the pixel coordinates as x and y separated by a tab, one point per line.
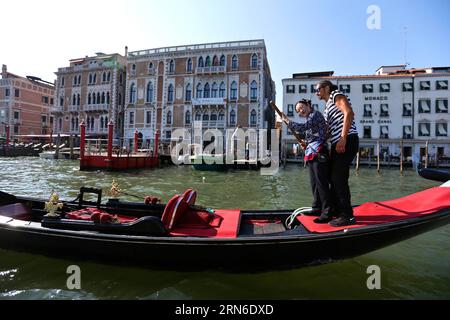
412	269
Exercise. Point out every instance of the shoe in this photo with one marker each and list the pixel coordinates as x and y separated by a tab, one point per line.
342	221
322	219
313	212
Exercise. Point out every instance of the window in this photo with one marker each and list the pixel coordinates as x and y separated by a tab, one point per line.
61	101
221	116
253	118
44	119
424	130
133	93
233	91
188	94
384	110
90	79
16	93
407	87
205	117
171	66
108	77
45	99
253	91
148	117
150	68
170	93
384	132
425	85
189	65
149	97
441	106
441	130
385	87
234	63
222	61
313	88
367	88
98	98
367	110
62	82
290	110
232	117
108	97
290	89
74	99
16	115
133	69
78	99
215	61
367	132
407	109
199	91
208	61
254	61
131	119
198	116
103	98
303	88
214	90
222	90
6	92
187	117
200	62
75	80
407	132
213	117
344	88
442	85
104	79
94	78
207	91
51	101
424	106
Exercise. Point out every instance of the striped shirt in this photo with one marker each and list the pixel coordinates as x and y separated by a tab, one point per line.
335	118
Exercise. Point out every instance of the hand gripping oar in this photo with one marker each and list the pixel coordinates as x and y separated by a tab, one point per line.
296	135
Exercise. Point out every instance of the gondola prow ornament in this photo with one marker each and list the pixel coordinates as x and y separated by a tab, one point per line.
52	205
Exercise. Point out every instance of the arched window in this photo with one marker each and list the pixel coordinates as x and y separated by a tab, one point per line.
133	69
104	79
108	98
92	123
98	98
214	90
72	127
89	98
132	93
199	91
208	61
254	61
222	90
150	67
76	124
108	77
189	65
222	61
106	122
187	117
213	117
170	93
62	82
205	117
233	91
78	99
74	99
188	94
200	62
79	79
221	116
232	117
198	116
94	78
169	117
171	66
215	61
207	92
101	123
90	78
253	118
103	98
234	63
75	80
149	92
253	90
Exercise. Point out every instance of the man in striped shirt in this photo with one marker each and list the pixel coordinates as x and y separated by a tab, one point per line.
344	146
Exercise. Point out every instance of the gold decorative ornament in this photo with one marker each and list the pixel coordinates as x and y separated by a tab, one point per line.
53	205
115	190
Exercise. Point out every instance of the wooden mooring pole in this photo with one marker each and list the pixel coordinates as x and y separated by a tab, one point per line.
358	159
401	157
426	154
378	157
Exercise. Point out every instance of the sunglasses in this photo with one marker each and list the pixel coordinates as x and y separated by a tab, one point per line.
318	89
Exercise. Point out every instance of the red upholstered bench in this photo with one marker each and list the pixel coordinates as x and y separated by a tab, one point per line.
416	205
15	211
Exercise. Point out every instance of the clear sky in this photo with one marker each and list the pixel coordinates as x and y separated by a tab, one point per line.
38	37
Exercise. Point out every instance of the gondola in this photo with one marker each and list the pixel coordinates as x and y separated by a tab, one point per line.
441	175
181	235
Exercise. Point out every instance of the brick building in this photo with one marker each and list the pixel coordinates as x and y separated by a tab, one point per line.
221	84
91	89
25	104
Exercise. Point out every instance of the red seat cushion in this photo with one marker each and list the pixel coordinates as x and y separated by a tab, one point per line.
418	204
225	224
173	211
97	215
190	196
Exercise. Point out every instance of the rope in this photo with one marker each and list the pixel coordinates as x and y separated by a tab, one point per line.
290	220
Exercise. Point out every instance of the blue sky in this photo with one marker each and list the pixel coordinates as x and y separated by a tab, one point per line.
300	36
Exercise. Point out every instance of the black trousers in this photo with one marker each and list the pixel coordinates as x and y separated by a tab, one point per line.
339	174
319	178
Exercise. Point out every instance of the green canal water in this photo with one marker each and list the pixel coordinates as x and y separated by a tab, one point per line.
416	268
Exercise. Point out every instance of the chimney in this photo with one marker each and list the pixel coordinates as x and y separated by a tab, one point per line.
4	71
126	51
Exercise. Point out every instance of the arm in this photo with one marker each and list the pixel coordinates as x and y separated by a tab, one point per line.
343	105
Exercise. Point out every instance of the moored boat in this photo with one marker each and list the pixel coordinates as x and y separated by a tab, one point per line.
434	174
182	235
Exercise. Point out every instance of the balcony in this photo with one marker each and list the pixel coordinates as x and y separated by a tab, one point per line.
17	121
96	108
74	108
208	101
56	109
210	70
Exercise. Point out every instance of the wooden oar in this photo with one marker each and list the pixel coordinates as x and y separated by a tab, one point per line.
296	135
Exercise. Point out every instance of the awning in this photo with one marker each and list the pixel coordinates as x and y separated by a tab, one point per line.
424	129
384	130
425	84
443	84
368	108
408	106
408	130
368	87
442	129
384	108
442	105
345	87
385	86
407	86
425	105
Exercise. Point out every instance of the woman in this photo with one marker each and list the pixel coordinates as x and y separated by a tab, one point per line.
316	156
344	146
